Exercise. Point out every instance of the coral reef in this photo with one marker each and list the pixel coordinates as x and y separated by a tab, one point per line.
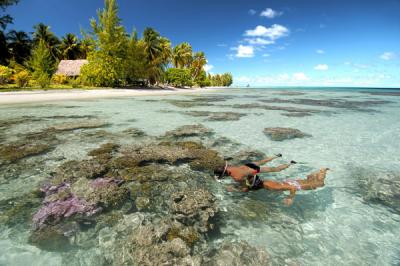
189	131
284	133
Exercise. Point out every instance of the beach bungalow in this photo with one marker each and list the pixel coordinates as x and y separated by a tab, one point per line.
70	68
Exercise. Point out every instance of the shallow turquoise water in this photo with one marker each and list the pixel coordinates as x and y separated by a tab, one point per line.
333	225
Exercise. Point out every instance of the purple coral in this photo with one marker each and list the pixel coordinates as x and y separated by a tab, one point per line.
56	210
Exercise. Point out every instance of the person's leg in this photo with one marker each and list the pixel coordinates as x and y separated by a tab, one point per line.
322	174
274	169
273	185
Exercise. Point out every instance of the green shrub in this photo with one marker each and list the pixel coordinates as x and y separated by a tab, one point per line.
43	80
5	74
102	70
60	79
178	77
201	80
22	78
75	82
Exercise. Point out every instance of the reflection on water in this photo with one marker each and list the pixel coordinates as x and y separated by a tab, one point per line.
132	157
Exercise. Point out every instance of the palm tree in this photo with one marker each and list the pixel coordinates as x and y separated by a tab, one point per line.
19	45
152	44
166	51
42	32
199	61
70	47
182	55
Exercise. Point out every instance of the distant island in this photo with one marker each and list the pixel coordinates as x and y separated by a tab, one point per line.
106	56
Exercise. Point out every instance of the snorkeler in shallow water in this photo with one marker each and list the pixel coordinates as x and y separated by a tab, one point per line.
242	172
246	176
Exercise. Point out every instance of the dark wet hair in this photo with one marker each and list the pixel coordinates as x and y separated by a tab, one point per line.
220	172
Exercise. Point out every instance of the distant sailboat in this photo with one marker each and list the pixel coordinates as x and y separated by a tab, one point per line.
248	86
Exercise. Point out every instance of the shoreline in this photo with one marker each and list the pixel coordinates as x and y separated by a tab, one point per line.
24	97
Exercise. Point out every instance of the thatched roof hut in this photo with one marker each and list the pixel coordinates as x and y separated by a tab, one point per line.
70	67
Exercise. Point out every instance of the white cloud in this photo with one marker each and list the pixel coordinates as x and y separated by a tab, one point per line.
320	51
300	76
259	41
252	12
276	31
266	55
270	13
244	51
387	56
208	67
321	67
279	79
222	45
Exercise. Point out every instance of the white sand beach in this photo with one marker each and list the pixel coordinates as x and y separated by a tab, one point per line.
77	94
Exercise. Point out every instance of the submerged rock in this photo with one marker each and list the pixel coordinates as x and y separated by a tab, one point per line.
189	131
298	114
194	208
284	133
50	238
290	93
105	152
332	103
202	159
84	124
379	187
18	210
382	93
237	254
134	132
10	153
247	156
150	245
73	170
216	116
153	153
188	104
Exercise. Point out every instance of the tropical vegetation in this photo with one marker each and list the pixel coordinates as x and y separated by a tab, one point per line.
115	57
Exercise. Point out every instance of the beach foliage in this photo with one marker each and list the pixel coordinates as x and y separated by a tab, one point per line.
102	70
5	74
22	78
115	58
106	67
202	80
221	80
70	47
44	34
60	79
182	55
42	64
19	46
178	77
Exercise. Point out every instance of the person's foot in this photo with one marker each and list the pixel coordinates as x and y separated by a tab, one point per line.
293	162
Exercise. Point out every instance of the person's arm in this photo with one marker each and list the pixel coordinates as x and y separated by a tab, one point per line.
268	159
275	169
289	200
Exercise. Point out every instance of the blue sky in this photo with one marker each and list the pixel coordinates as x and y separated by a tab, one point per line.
262	43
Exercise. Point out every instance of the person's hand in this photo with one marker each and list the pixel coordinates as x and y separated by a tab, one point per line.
288	202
